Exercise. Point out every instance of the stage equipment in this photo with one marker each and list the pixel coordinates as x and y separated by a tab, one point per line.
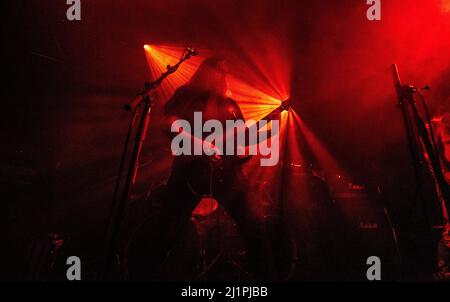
144	100
419	134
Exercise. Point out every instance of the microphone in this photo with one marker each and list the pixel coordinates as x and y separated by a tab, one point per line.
403	91
191	51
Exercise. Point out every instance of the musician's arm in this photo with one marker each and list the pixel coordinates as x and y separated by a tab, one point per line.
175	128
173	111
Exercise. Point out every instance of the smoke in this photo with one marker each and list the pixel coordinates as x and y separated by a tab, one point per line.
344	77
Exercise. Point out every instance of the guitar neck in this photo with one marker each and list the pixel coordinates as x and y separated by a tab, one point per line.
285	105
271	114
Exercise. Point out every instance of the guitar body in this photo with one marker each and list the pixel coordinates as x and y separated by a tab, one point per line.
206	170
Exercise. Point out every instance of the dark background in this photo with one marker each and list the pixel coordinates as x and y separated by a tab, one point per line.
65	82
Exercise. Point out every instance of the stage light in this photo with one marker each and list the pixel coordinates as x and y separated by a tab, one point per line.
254	101
159	57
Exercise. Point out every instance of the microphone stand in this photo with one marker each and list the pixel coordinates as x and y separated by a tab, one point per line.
405	95
118	206
416	130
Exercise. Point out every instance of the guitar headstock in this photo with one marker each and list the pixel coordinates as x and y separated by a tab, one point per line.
286	105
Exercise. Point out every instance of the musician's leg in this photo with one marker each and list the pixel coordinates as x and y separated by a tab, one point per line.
236	201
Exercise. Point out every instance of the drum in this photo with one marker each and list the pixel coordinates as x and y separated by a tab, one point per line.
206	207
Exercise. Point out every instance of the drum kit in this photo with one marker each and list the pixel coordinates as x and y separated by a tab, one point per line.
208	249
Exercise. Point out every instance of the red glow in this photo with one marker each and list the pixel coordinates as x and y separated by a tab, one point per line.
264	180
445	6
206	207
324	158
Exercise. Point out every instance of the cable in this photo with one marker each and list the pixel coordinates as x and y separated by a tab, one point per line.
427	114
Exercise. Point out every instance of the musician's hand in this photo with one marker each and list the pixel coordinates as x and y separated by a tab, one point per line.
215	158
212	152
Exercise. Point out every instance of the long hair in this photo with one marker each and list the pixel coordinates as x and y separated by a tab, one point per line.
211	76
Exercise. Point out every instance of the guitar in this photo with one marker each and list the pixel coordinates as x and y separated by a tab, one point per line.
203	167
